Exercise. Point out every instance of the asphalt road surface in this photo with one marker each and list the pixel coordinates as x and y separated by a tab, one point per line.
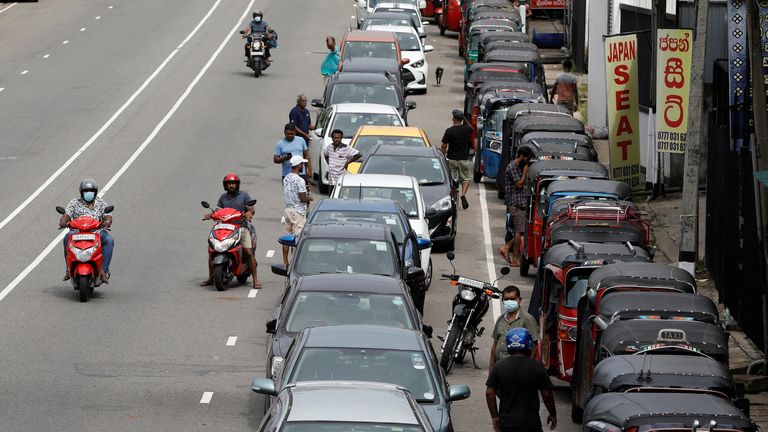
153	100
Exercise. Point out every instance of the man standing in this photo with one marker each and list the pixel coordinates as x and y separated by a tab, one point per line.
566	88
516	195
299	117
513	316
517	380
456	144
291	146
331	63
296	198
339	156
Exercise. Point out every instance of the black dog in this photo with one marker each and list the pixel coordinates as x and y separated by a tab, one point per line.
438	75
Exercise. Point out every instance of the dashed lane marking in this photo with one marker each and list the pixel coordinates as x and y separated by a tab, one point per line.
270	253
24	72
65	42
98	18
207	396
8	7
495	304
46	56
252	293
231	341
82	29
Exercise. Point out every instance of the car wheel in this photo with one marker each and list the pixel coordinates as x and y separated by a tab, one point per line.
428	273
322	186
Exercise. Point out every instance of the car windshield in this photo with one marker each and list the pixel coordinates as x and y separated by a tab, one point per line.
350	122
409	42
338	308
387	22
325	426
576	286
496	119
319	255
390	220
425	169
384	94
366	143
354	49
405	368
406	197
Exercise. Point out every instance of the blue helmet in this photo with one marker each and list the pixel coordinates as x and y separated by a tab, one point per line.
519	338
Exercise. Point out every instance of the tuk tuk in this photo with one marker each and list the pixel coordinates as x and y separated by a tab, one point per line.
474	33
598	221
562	281
668	412
502	36
511	55
583	188
480	77
469	11
560	145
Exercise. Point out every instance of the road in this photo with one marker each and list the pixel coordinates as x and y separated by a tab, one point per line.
152	100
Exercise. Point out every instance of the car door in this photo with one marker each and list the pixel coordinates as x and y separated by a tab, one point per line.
317	137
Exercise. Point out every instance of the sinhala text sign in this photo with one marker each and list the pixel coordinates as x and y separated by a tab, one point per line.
673	72
623	132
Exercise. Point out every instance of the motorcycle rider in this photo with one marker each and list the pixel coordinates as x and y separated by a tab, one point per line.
89	204
257	27
236	199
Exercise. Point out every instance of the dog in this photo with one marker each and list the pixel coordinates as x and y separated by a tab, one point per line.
438	75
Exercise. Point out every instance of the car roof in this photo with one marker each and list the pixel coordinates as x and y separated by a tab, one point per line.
362	78
369	36
378	180
396	5
626	370
339	204
347	230
370	65
398	150
371	108
387	14
354	402
394	29
400	131
362	336
642	274
345	282
568	253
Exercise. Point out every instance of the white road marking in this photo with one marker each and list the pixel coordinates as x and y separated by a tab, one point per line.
2	88
231	341
6	8
206	397
110	7
98	18
65	42
104	127
495	304
270	253
46	56
24	72
252	293
130	161
7	157
82	29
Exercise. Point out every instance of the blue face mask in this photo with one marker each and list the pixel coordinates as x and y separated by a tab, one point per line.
88	196
511	305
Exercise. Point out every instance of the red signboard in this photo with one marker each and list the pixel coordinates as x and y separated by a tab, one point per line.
547	4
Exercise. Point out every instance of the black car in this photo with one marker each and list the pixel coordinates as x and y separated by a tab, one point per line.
365	87
356	248
428	166
389	67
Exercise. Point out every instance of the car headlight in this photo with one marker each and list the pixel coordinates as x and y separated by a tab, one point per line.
442	204
83	255
467	295
276	362
495	146
418	64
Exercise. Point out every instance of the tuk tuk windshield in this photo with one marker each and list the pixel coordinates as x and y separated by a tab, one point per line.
576	286
496	119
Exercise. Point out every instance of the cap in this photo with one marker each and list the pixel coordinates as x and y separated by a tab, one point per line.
457	113
296	160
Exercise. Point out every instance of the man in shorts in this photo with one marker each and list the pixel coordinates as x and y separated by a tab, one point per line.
517	198
296	196
566	88
456	145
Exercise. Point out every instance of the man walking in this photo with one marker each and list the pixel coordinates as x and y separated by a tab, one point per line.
566	88
291	146
299	117
456	144
339	156
517	196
513	316
296	198
516	381
330	64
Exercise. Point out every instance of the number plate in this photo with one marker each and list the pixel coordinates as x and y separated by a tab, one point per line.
471	282
79	237
223	226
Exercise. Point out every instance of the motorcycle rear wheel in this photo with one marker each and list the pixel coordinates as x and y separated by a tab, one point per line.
82	286
218	278
448	356
257	70
243	278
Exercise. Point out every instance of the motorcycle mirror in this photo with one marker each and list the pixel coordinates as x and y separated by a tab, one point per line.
60	210
504	271
251	203
450	255
242	31
109	209
205	204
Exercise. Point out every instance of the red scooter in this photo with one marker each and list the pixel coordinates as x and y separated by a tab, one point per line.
84	254
224	247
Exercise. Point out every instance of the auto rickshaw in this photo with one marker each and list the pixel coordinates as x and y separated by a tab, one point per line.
560	145
668	412
475	32
469	11
480	77
562	281
515	36
511	55
450	18
583	188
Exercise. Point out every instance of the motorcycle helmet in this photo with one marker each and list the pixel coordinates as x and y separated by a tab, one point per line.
258	13
231	178
88	185
519	339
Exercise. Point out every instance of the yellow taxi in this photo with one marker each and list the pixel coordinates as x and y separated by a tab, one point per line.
368	137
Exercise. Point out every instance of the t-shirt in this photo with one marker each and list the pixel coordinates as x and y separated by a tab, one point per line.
300	118
296	147
331	63
78	207
459	140
566	86
238	201
502	326
517	381
337	158
292	186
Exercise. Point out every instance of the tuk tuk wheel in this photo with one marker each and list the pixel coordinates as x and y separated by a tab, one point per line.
577	414
524	266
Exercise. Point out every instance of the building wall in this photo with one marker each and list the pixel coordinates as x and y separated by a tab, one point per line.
597	110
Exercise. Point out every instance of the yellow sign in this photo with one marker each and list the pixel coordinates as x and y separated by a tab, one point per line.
673	75
623	132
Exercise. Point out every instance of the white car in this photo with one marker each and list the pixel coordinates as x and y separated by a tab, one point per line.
403	189
405	7
347	117
412	49
364	7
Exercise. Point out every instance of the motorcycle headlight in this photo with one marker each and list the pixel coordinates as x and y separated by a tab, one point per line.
224	245
83	254
418	64
442	204
467	295
495	146
276	362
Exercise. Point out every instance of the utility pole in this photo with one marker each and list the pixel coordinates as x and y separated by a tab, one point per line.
658	20
689	216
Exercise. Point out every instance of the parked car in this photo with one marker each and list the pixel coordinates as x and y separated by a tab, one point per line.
394	19
357	87
343	405
370	353
367	138
405	8
366	7
412	49
366	43
390	68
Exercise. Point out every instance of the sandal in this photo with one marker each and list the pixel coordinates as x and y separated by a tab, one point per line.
504	255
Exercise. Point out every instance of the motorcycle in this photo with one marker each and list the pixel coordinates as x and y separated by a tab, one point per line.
224	246
257	47
470	305
84	253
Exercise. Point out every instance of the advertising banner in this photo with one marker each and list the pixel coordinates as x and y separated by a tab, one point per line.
623	105
548	4
673	75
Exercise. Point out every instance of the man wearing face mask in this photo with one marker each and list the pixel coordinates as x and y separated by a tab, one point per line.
90	205
513	316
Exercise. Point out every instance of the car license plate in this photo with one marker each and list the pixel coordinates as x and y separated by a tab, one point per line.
79	237
223	226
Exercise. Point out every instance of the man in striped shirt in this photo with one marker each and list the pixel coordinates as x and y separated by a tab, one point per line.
339	156
566	88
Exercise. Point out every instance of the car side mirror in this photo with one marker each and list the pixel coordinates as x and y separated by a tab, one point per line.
423	243
410	105
205	204
362	3
264	386
242	32
287	240
428	48
280	269
430	212
415	274
109	209
427	329
425	23
60	210
317	103
272	326
318	131
458	392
